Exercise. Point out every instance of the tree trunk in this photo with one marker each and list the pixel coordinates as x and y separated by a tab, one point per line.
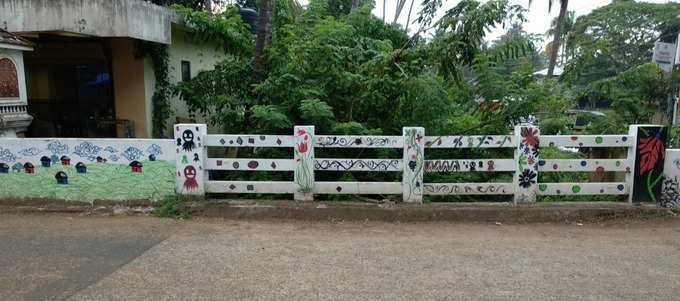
264	21
397	12
263	38
557	37
408	18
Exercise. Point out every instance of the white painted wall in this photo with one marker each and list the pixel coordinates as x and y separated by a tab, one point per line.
17	57
202	57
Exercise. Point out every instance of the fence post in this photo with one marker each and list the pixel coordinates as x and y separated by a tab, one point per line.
526	156
191	155
414	158
646	158
304	163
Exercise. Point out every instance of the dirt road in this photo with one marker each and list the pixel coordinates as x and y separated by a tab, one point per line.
64	257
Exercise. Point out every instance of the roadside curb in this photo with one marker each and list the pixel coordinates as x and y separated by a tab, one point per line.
355	211
390	212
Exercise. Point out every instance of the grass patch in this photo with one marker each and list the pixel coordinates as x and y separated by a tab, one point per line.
170	208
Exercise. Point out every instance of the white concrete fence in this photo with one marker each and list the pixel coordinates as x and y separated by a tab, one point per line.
193	163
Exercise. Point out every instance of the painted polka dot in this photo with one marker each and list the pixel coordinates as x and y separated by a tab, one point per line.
624	139
555	166
541	162
598	140
558	191
620	187
618	163
584	163
601	190
576	189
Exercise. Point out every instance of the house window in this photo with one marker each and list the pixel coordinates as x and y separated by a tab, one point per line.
186	71
9	82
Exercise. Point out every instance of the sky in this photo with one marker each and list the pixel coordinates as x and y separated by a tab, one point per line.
538	18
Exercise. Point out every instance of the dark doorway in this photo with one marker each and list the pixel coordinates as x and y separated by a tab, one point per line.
70	93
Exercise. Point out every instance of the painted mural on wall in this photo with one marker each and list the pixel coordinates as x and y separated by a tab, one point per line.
86	169
670	189
649	163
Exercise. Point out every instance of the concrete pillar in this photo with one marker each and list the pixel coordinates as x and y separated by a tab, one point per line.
304	163
191	157
414	158
525	179
648	154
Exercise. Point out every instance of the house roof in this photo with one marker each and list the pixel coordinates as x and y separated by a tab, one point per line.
8	38
94	18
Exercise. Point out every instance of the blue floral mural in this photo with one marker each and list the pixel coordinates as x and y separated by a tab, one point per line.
33	151
6	155
87	150
111	149
132	153
154	149
56	147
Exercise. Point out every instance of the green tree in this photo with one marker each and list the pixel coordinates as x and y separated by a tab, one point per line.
619	36
636	96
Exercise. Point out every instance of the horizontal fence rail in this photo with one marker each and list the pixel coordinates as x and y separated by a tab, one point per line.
470	141
588	141
359	141
249	141
193	163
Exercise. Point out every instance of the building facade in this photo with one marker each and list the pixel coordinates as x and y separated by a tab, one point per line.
14	119
85	78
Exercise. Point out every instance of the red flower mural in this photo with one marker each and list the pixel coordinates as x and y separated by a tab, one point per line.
302	147
530	136
651	150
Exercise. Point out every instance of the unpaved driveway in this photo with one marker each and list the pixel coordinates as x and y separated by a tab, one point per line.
142	258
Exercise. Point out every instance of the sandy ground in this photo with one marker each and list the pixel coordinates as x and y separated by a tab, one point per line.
65	257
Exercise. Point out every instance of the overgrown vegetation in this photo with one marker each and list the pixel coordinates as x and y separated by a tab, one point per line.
160	101
347	72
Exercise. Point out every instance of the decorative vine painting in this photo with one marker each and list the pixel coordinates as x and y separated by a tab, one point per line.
357	141
304	162
468	188
649	163
358	164
414	149
86	169
527	157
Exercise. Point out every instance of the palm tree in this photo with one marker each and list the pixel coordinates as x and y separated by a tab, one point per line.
567	33
557	37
